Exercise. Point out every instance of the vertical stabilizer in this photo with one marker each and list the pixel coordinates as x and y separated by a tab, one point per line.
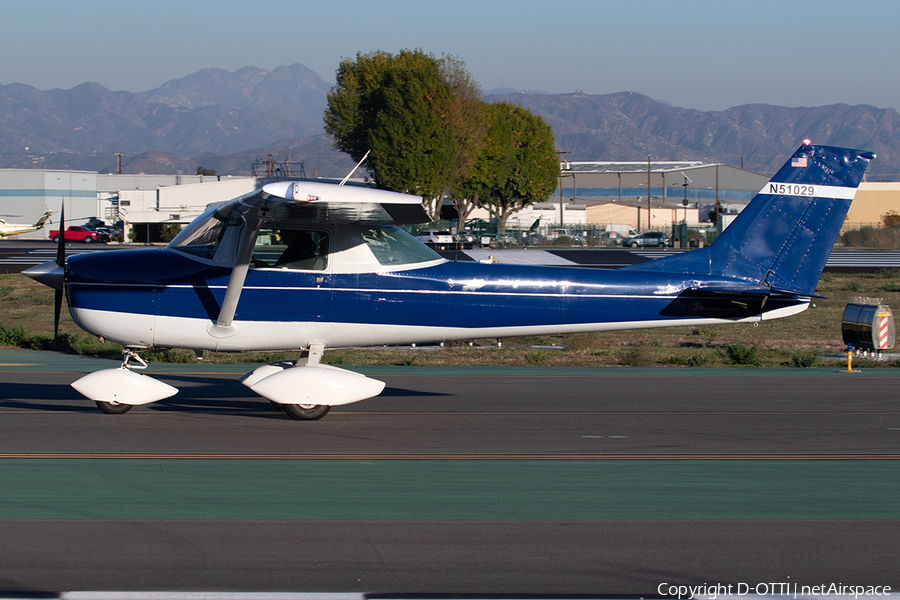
782	239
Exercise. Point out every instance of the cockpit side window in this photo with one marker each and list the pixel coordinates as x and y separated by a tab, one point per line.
392	246
301	249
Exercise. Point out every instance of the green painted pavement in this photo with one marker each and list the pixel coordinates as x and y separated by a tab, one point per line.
447	490
34	361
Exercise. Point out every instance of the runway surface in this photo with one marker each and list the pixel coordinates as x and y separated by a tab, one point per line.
476	481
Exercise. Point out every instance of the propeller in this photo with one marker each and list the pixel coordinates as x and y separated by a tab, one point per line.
53	273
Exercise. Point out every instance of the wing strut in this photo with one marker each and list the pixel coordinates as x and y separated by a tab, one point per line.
224	325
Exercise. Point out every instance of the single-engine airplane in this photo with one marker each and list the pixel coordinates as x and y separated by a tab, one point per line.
306	266
8	229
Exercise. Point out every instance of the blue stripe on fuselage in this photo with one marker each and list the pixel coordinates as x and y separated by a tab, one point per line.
451	294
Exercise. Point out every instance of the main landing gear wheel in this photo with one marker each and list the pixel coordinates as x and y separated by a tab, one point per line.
306	412
113	408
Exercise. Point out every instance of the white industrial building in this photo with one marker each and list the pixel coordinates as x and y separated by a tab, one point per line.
26	194
139	201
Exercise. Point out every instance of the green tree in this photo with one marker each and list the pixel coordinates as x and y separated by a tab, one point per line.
411	110
469	121
492	167
891	219
517	166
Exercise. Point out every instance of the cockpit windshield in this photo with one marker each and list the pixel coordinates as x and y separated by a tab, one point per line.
202	236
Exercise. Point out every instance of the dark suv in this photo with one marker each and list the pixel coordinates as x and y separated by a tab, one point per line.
648	238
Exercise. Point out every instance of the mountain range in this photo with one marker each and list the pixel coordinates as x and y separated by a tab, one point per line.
226	120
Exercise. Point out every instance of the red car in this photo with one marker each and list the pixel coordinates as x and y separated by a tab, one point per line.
77	233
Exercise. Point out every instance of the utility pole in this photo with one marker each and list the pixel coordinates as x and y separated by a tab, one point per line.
717	196
648	194
559	154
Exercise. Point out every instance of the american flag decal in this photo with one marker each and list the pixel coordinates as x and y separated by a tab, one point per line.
798	161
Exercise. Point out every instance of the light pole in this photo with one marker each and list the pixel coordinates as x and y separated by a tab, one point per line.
684	203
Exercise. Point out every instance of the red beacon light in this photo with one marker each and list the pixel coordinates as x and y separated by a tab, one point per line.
807	142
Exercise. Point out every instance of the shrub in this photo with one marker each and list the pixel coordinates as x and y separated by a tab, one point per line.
536	357
805	359
701	359
743	355
11	336
635	356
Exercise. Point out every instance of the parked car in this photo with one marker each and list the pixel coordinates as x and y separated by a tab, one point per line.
112	233
621	229
465	237
648	238
437	237
609	238
555	234
81	234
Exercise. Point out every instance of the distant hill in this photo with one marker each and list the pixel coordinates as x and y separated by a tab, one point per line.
630	126
210	111
225	120
293	93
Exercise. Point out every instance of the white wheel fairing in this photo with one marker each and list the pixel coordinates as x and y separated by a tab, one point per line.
121	386
309	387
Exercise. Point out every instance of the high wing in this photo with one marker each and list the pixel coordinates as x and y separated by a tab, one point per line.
343	203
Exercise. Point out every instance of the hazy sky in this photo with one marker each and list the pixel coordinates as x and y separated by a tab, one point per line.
708	55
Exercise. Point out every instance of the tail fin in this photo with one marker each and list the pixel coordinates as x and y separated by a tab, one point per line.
782	239
43	219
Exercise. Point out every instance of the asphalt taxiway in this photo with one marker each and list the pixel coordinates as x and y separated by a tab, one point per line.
454	480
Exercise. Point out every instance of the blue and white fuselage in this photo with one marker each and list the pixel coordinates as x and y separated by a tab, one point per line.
431	301
308	266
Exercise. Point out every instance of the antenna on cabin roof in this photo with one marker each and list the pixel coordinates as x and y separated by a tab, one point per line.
353	170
